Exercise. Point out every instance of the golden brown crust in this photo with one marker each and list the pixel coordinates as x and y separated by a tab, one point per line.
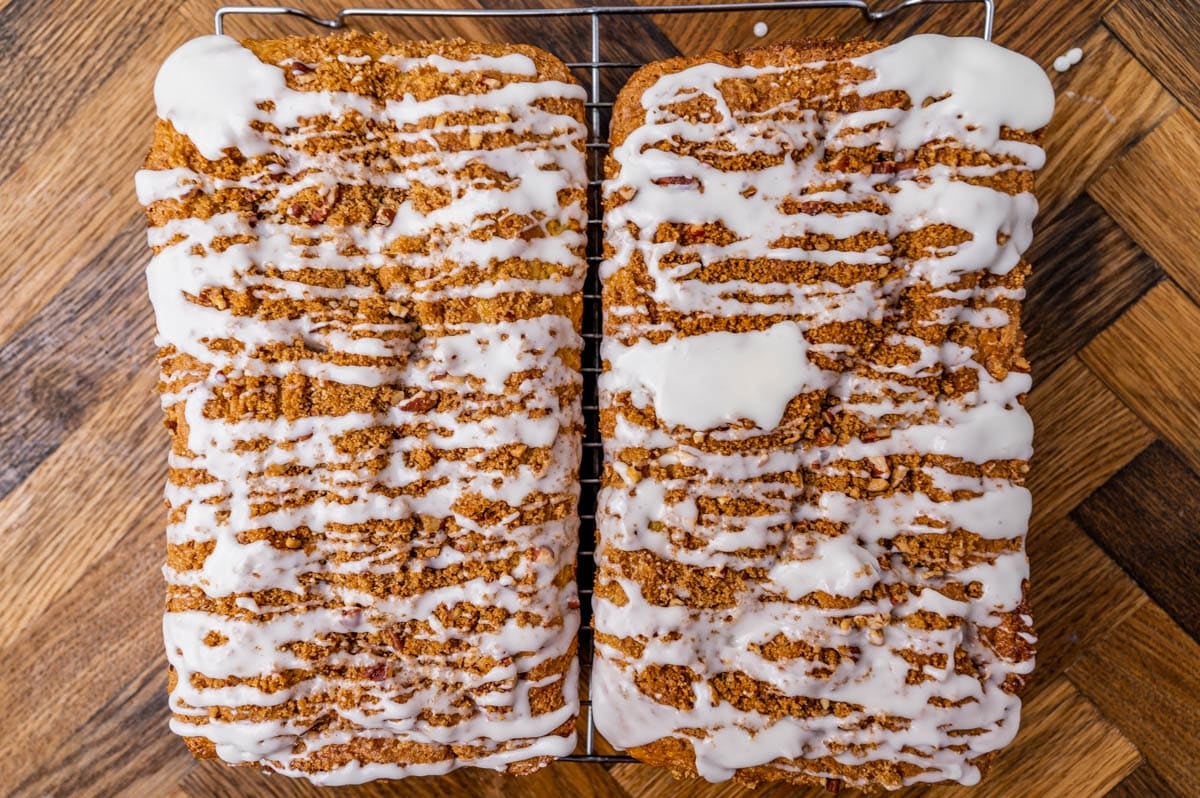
809	420
367	302
628	113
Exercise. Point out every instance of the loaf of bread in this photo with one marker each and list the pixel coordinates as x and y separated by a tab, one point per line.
811	561
367	278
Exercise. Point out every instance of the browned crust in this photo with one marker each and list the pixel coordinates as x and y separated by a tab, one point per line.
171	148
628	113
353	43
676	753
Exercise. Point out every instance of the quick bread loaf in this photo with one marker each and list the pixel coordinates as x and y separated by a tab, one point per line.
811	526
367	275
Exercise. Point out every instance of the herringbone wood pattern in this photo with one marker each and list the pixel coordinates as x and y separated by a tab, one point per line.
1114	331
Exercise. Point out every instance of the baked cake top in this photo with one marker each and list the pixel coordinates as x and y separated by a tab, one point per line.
812	407
367	275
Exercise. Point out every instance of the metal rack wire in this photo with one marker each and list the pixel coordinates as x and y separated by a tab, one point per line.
598	105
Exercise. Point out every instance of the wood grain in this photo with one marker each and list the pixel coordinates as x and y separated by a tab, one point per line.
37	40
1069	460
1163	35
1144	192
1142	783
53	374
101	631
1087	271
73	194
1143	676
1114	334
74	507
1078	594
1104	104
1149	357
97	761
1041	30
1044	30
1145	518
197	15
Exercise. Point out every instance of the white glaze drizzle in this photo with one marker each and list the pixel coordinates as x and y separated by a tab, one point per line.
513	63
212	89
1068	59
696	393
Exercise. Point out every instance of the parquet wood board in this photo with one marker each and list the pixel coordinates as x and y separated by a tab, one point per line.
1113	319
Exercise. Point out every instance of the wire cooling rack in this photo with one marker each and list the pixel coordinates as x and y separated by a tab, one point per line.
600	76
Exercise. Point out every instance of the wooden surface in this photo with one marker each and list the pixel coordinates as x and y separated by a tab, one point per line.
1113	317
